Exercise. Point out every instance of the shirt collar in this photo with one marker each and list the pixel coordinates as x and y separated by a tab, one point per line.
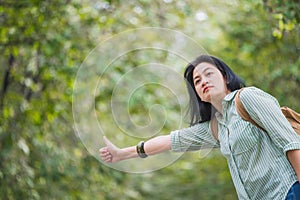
230	96
225	103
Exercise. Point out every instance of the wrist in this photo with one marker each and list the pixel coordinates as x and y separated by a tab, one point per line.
126	153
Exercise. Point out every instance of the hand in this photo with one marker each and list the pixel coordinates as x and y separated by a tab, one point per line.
110	153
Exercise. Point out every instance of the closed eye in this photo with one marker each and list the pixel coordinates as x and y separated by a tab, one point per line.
197	81
209	73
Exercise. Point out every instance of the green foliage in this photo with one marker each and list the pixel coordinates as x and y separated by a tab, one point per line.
286	13
42	45
194	177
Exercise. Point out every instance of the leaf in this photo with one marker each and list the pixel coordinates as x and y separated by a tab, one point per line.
23	146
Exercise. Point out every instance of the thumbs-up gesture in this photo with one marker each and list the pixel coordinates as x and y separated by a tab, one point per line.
110	153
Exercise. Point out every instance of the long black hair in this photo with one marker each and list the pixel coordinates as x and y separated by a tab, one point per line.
199	110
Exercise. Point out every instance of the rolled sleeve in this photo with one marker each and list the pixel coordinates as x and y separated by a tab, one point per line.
193	138
291	146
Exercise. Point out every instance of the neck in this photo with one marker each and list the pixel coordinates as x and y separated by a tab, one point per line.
218	105
217	102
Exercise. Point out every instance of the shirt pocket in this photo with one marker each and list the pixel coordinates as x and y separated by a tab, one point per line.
243	137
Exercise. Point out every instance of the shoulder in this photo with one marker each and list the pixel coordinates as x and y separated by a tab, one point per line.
256	96
254	93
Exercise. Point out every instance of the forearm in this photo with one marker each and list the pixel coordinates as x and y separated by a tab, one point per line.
294	158
157	145
153	146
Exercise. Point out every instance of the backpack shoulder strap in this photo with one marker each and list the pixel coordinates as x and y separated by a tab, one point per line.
293	117
242	111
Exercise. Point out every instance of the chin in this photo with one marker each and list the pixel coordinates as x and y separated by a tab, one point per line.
207	99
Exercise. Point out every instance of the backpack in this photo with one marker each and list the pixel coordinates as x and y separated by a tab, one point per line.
292	116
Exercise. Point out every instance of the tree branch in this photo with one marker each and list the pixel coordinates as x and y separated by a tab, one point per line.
6	80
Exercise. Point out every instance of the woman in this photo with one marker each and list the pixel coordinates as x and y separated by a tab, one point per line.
263	164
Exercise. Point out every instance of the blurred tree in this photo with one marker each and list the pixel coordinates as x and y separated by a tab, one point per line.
42	45
287	15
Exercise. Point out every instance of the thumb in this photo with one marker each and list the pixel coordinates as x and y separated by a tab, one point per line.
108	143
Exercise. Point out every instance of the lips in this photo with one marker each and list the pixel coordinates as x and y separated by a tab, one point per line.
205	89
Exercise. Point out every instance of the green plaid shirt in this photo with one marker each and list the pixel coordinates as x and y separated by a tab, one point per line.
256	159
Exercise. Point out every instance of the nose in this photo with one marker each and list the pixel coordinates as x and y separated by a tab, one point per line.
204	82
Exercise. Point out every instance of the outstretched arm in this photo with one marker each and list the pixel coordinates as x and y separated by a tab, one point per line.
112	153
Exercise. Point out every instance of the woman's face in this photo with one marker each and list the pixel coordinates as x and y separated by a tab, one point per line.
209	82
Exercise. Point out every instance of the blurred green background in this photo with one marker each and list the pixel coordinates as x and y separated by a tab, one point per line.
42	45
